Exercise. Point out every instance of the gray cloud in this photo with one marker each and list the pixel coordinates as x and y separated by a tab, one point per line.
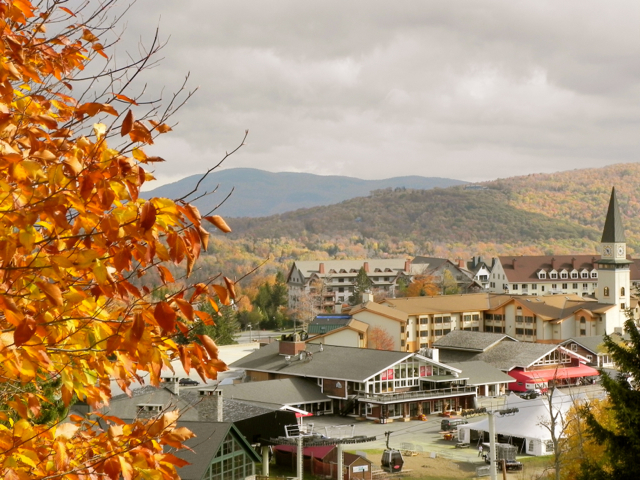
467	90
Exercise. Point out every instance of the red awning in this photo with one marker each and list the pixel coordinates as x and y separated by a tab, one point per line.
550	374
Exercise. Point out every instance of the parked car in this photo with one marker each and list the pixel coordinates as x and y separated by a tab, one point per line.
188	381
451	424
529	394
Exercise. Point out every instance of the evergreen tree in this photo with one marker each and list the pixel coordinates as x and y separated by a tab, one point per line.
362	284
270	301
622	443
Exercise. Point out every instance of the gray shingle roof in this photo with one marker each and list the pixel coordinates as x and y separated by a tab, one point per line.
481	373
287	391
340	363
209	437
508	355
471	341
593	344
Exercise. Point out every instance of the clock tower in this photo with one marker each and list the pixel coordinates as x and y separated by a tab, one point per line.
614	279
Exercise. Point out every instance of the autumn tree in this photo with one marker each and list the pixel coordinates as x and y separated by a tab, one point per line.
620	437
74	233
380	339
421	286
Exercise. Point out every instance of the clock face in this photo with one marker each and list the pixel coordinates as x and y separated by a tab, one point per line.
621	251
607	251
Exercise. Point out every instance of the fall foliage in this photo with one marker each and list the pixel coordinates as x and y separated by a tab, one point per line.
380	339
74	235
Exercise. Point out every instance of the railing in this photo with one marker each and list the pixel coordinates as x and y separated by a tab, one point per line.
417	395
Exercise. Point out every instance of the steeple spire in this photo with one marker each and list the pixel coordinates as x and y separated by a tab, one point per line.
613	230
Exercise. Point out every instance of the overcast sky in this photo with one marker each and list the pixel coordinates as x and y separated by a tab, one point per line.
472	90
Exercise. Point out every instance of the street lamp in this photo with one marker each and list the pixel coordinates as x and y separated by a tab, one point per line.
249	327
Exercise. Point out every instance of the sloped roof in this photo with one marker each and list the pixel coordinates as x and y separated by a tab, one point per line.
326	323
392	313
340	363
613	231
470	302
287	391
525	268
471	341
593	344
310	267
481	373
552	307
509	355
208	439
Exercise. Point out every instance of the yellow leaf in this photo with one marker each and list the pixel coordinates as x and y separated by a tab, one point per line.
99	129
66	430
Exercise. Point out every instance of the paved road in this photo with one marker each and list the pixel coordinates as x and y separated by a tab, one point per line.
424	435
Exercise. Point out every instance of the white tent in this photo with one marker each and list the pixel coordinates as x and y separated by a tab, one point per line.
528	423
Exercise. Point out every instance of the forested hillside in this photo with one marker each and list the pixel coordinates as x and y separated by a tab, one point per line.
440	215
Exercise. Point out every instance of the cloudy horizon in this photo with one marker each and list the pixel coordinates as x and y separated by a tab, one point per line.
472	91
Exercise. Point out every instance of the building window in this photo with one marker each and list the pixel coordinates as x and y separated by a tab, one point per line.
594	274
542	275
534	286
563	275
565	286
623	306
583	333
585	286
554	286
584	275
583	320
515	286
574	274
575	286
519	331
553	275
574	347
590	358
622	291
605	291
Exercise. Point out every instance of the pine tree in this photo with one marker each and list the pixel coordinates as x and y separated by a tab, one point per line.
362	284
622	443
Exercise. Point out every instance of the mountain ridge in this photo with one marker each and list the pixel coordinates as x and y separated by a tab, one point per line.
258	193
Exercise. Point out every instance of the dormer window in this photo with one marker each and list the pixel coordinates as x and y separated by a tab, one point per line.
542	275
584	274
564	274
574	274
553	275
594	274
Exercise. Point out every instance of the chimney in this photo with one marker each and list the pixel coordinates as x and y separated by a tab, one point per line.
367	297
321	267
338	307
460	262
573	262
366	267
435	354
148	410
407	266
172	384
210	405
553	263
513	263
291	344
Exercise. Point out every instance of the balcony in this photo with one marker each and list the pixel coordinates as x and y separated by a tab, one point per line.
415	396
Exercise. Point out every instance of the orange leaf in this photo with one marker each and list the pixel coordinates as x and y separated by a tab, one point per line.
140	133
147	216
186	308
124	98
219	222
209	345
154	159
24	331
52	292
64	9
222	293
165	275
165	316
205	317
231	287
127	124
88	36
137	329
